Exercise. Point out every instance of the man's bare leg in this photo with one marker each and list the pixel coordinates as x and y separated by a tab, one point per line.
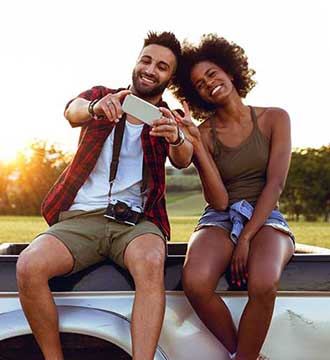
45	258
144	258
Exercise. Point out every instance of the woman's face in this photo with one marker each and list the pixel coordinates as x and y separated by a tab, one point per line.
211	82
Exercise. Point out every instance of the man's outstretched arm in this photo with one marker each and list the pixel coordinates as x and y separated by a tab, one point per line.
80	110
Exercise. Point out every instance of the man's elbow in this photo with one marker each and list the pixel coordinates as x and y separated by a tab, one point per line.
72	117
68	114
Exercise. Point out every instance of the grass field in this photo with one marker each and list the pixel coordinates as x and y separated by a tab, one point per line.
25	228
184	210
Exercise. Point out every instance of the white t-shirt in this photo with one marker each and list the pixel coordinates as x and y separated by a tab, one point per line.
127	185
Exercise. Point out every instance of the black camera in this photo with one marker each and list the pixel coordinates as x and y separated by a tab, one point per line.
123	213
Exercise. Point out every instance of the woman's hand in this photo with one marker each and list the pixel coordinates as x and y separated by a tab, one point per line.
191	131
239	268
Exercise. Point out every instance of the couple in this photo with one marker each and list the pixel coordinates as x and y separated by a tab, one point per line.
242	154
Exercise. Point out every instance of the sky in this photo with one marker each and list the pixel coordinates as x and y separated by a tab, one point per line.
52	51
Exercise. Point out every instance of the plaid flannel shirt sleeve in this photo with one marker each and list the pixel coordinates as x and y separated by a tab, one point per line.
96	92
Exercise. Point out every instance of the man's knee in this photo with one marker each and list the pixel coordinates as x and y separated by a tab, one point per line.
145	262
43	259
30	270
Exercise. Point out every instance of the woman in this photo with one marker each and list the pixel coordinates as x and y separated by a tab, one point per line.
241	227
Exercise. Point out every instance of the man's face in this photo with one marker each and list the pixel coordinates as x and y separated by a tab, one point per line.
153	71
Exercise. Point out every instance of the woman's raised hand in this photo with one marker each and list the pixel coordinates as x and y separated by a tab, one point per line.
191	131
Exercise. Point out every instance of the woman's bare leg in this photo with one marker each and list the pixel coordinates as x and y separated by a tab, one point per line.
209	253
270	251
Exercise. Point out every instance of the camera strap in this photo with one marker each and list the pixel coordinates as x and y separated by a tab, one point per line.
117	142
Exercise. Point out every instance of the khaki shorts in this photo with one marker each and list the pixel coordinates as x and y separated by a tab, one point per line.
92	238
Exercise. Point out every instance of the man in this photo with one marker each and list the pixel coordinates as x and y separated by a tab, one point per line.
80	235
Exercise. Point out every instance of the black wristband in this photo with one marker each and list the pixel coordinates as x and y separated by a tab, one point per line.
91	108
180	140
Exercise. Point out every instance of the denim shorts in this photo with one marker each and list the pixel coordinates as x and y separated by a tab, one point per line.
224	220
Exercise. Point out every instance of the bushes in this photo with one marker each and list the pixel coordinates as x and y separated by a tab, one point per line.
178	183
24	183
307	190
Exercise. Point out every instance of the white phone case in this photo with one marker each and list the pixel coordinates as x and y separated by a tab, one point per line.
141	109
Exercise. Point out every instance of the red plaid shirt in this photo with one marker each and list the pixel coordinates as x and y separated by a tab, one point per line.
92	137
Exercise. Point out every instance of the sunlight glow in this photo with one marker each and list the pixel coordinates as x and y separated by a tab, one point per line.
10	150
8	153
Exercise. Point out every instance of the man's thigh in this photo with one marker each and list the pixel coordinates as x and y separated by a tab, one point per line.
84	236
124	236
47	255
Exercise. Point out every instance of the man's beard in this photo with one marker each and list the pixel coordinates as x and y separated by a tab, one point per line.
147	93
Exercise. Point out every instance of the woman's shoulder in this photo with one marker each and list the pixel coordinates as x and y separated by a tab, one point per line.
270	118
271	112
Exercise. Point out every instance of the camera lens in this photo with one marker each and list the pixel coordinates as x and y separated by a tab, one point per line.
121	210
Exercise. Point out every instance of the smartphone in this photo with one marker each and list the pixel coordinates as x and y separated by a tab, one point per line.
141	109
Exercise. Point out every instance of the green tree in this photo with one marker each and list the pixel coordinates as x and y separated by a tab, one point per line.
292	201
323	176
307	190
35	172
5	172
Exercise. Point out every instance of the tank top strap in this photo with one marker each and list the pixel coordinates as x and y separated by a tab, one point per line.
256	130
254	116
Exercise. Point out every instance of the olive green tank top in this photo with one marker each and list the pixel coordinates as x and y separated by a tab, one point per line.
243	167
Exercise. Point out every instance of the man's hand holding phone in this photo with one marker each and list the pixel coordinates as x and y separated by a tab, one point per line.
166	126
141	109
111	106
160	119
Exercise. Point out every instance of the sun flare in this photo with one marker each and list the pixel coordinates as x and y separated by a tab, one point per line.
7	155
8	151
